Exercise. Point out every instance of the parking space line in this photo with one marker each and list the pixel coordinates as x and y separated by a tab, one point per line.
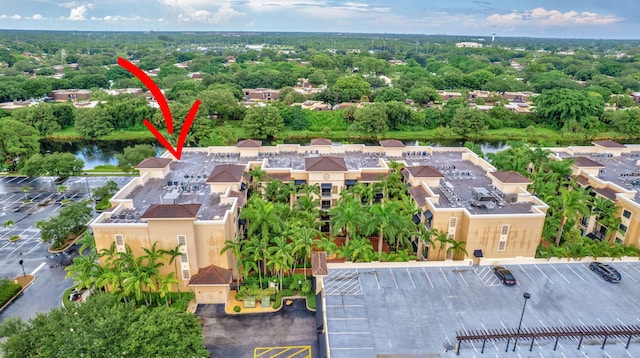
445	277
627	274
492	341
375	274
561	275
618	338
393	277
576	273
462	277
38	268
345	305
331	332
466	332
35	247
428	279
527	273
409	273
344	318
543	274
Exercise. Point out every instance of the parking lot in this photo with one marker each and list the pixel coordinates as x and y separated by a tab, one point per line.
50	283
417	310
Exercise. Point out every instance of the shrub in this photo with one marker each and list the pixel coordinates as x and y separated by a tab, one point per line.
236	308
8	289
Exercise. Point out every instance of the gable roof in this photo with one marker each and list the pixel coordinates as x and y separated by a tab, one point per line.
510	177
319	263
606	192
584	162
154	163
249	143
325	164
608	144
419	195
424	171
372	177
320	141
171	211
226	173
211	275
391	143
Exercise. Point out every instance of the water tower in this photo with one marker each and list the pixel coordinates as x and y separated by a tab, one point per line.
493	37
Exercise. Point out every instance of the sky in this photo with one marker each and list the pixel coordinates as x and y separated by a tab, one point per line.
600	19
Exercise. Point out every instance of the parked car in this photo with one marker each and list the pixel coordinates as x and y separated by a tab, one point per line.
504	275
608	272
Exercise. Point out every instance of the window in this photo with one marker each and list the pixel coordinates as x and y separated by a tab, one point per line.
326	204
326	189
502	244
184	258
120	243
623	228
186	274
182	240
504	230
626	214
452	222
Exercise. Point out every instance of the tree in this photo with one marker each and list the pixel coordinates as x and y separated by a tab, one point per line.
263	122
381	218
18	141
94	122
220	104
351	88
468	120
54	164
371	120
572	203
235	246
568	109
146	332
132	156
456	248
348	216
424	95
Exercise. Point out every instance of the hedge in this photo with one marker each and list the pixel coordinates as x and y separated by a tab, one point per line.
8	290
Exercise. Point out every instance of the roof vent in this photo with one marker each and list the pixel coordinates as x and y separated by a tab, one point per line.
217	217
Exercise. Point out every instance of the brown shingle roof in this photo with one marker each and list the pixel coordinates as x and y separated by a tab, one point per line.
226	173
608	144
319	263
325	164
510	177
284	177
153	163
606	192
249	143
582	180
211	275
171	211
320	141
424	171
584	162
419	195
371	177
391	143
239	195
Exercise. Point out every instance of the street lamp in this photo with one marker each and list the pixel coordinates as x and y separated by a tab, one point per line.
21	262
526	296
86	180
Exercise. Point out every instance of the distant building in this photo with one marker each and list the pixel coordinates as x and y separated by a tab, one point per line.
469	44
260	94
70	95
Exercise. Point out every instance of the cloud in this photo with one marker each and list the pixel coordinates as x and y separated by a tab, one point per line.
203	11
118	18
12	17
541	16
79	13
38	17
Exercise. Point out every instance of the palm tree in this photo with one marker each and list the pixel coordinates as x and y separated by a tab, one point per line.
303	238
539	157
257	175
365	192
424	239
456	248
326	244
173	258
381	218
442	238
358	250
278	192
236	249
264	218
256	250
556	171
62	189
164	285
9	224
152	266
349	215
280	256
572	203
85	271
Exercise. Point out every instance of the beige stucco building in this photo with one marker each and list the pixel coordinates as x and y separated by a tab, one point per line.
194	204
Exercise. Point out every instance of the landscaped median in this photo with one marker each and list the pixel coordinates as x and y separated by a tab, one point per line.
11	289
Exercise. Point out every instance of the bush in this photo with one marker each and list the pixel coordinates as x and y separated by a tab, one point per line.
236	308
278	301
8	290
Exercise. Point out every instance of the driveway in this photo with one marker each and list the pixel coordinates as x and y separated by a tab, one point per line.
289	332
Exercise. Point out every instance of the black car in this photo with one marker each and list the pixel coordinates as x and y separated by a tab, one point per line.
606	271
504	275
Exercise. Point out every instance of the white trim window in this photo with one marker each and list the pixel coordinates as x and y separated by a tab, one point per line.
502	241
119	239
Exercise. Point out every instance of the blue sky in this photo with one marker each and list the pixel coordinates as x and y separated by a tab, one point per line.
538	18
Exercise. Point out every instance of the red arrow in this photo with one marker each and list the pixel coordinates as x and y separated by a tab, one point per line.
164	108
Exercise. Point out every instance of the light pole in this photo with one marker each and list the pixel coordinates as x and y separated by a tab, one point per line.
86	180
22	264
526	296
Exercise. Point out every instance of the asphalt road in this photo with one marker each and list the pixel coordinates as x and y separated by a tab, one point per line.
46	291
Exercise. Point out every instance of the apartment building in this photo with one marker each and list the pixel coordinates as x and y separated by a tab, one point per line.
610	170
194	203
